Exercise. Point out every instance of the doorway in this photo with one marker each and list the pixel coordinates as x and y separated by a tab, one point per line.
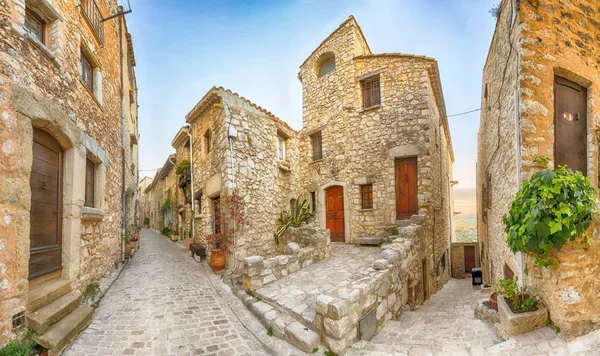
406	187
469	258
45	252
334	213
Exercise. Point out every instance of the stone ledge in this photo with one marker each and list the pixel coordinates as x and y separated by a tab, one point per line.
92	214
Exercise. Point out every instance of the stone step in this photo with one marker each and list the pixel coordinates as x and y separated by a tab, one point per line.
64	331
369	241
42	318
46	293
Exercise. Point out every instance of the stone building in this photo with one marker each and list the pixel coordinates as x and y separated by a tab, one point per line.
183	204
68	161
144	200
543	54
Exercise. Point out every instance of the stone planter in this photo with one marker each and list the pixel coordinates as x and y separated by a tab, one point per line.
515	324
174	237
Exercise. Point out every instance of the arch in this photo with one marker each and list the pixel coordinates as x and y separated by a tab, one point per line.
326	64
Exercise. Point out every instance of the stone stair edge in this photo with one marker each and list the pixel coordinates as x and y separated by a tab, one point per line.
63	332
47	292
41	319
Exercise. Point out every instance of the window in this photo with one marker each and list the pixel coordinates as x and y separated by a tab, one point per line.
327	66
281	148
35	25
366	196
313	201
207	145
87	72
317	146
90	171
371	92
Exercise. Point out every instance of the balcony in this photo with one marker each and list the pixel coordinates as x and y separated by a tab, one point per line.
92	14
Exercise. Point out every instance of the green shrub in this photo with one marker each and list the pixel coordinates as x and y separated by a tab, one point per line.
167	232
552	208
91	291
182	166
18	348
299	216
518	301
146	220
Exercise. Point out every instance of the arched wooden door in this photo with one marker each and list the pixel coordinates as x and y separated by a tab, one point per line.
406	187
334	213
45	251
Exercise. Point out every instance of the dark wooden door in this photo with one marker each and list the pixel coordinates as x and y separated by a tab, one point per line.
406	187
469	258
46	206
570	125
334	211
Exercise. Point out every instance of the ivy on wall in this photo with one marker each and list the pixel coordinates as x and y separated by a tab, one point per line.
552	208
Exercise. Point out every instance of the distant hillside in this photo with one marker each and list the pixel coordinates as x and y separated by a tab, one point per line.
465	200
466	221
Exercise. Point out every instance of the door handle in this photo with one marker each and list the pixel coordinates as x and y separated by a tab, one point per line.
45	185
55	212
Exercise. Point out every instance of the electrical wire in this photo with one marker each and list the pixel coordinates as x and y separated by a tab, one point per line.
464	113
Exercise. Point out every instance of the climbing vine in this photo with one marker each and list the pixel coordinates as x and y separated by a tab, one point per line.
552	208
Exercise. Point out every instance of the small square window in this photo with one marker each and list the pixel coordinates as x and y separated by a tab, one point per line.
371	92
317	146
281	143
366	196
35	25
87	72
90	172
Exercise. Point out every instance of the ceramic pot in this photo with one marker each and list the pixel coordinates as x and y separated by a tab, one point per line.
217	260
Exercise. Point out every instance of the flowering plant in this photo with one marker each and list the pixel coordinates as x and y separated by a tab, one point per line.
227	219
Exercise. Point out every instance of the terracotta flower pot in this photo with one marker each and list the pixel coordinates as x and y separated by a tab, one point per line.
217	260
127	250
494	300
188	242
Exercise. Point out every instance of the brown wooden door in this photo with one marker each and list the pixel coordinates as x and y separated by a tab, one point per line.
469	258
406	187
570	125
46	206
334	210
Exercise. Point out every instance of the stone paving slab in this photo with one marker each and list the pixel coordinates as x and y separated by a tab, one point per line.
164	303
298	292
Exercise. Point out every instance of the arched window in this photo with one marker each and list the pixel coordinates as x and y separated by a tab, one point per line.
327	64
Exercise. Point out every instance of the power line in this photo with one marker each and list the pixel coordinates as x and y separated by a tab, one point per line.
464	113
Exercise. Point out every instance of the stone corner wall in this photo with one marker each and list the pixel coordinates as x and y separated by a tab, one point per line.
258	271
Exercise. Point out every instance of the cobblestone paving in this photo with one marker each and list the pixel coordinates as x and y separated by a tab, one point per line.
164	303
299	291
445	325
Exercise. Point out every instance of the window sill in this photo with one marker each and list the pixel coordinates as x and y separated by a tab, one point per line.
366	210
92	214
90	92
316	161
283	165
370	108
42	47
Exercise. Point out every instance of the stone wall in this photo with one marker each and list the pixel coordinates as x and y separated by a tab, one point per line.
41	87
458	258
300	246
552	38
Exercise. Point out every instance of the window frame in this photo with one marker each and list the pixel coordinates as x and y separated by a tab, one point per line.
281	148
366	196
90	187
317	137
372	86
43	24
85	60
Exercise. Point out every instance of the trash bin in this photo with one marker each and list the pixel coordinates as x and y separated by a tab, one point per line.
477	276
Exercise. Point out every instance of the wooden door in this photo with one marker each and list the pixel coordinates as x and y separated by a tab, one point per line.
406	187
469	258
570	125
46	206
334	210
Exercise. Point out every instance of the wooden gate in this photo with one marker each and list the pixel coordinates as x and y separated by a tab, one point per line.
334	211
45	252
570	125
406	187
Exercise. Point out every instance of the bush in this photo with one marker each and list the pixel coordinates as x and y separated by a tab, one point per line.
167	232
182	166
299	216
552	208
18	348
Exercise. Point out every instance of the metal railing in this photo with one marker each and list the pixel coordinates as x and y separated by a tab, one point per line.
94	16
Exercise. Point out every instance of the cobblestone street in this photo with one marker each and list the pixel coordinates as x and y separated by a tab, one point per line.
164	303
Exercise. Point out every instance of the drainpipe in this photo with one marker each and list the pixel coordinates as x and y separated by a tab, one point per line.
192	197
230	135
123	192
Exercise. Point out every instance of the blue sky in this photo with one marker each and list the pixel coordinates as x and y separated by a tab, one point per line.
185	47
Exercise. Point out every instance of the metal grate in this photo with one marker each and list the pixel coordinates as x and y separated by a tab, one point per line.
94	17
18	320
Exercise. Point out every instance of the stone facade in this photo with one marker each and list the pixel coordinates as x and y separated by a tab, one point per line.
458	258
41	88
535	41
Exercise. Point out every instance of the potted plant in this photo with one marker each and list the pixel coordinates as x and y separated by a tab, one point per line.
127	249
494	300
134	241
519	310
231	219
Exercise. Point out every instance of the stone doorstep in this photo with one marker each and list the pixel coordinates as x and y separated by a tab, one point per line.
46	293
284	326
42	318
63	332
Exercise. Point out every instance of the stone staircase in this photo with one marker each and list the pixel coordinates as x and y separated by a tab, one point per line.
56	314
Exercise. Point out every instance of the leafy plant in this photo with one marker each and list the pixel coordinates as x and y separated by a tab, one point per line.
232	218
18	347
541	161
167	232
132	167
182	166
270	331
391	230
299	216
518	301
552	208
146	221
328	353
495	10
315	350
91	291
